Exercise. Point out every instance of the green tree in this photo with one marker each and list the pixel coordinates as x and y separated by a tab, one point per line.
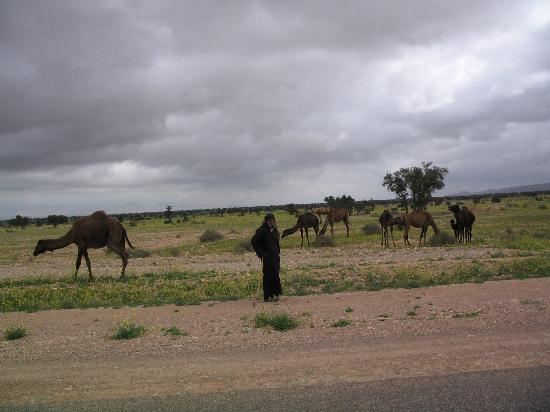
20	221
346	202
415	184
56	220
168	214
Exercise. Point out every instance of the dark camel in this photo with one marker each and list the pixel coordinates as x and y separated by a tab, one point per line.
387	220
456	229
419	219
304	222
464	220
95	231
334	216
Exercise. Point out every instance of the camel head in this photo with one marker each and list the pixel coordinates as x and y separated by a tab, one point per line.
454	209
40	248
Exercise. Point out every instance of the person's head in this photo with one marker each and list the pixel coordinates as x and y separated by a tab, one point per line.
269	220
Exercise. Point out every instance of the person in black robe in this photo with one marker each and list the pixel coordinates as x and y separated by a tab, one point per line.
266	245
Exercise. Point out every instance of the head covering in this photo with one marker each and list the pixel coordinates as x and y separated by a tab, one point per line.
269	216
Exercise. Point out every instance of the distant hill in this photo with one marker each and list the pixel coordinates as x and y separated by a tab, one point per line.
540	187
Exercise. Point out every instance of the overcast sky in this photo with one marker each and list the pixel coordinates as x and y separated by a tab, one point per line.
135	105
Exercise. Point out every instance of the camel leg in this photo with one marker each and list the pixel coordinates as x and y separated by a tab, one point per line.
91	277
307	236
302	234
123	255
331	229
347	228
406	236
381	235
78	262
391	233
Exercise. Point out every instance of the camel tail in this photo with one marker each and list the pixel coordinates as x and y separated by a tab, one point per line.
290	231
435	228
324	229
127	239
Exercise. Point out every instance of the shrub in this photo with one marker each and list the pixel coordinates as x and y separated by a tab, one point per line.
139	253
14	332
341	323
278	321
496	199
441	239
323	241
174	331
543	206
243	245
129	330
210	235
371	229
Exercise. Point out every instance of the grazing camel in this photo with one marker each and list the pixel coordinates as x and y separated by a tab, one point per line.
333	216
465	220
387	220
419	219
320	211
304	221
95	231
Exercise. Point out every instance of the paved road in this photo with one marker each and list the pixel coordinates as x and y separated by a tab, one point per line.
526	389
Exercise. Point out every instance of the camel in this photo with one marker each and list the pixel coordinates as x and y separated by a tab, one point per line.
304	221
320	211
456	228
333	216
465	220
419	219
95	231
387	220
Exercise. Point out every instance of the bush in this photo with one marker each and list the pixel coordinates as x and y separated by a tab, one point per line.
279	321
441	239
543	206
496	199
139	253
341	323
371	229
243	245
14	332
210	235
129	330
323	241
174	331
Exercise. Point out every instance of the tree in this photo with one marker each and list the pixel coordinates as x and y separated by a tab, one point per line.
20	221
56	220
291	209
168	214
346	202
416	183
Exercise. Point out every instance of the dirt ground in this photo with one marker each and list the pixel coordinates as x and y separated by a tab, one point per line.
61	262
69	354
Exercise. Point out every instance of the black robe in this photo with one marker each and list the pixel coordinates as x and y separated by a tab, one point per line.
266	245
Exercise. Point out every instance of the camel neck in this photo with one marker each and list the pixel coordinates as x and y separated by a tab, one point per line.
65	240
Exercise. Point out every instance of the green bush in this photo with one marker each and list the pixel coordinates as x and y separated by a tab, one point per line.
129	330
278	321
139	253
371	229
174	331
341	323
243	246
441	239
323	241
210	235
14	332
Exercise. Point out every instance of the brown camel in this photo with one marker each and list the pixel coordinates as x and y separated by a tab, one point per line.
319	211
333	216
304	221
387	220
95	231
464	220
419	219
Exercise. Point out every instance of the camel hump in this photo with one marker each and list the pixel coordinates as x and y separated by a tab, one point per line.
99	214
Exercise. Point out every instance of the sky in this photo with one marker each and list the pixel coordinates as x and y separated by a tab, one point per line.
135	105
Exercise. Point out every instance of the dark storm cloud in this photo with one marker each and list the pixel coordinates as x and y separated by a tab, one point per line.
136	104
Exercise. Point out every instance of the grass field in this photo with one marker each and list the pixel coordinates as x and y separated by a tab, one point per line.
171	265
